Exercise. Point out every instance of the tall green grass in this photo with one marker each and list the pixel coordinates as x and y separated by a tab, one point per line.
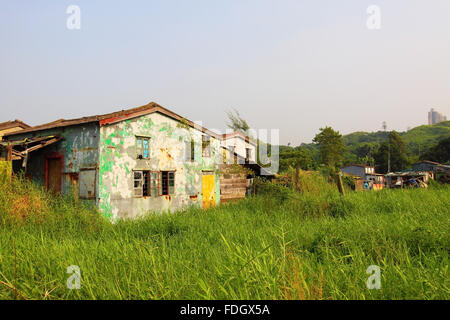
280	245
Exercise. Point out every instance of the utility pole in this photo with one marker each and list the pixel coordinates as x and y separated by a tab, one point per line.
389	146
389	153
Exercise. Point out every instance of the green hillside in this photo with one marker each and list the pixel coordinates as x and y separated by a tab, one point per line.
419	137
424	136
418	141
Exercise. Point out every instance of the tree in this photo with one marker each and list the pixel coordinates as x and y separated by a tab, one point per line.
395	151
296	157
236	122
331	146
365	153
439	153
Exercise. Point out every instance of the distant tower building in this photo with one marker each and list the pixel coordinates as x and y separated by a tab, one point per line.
435	117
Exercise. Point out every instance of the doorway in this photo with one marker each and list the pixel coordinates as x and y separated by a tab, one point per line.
209	191
53	173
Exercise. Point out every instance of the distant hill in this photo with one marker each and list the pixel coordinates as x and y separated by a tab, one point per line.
419	138
425	136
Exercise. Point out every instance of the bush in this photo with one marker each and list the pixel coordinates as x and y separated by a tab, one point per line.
272	190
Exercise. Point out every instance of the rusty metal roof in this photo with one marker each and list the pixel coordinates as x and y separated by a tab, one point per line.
115	117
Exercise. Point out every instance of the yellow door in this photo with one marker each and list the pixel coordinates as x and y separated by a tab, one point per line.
209	191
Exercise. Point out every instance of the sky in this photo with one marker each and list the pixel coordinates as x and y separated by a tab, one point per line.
292	65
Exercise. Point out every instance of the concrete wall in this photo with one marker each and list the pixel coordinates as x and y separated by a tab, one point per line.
169	141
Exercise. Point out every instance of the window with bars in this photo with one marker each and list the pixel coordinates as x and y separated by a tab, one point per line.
142	148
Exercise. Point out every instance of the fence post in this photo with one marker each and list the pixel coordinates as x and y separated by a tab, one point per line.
340	184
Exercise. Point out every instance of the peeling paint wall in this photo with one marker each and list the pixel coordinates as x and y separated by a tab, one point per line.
168	151
79	148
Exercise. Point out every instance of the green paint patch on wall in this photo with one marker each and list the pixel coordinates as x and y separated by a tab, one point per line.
146	123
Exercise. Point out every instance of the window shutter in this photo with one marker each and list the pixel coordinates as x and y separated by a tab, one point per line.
160	183
138	183
171	178
154	184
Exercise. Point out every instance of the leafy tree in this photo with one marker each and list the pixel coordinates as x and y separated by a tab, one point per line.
331	146
236	122
365	153
302	158
395	149
440	152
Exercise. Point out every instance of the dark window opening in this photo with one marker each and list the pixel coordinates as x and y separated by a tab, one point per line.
167	182
248	154
145	183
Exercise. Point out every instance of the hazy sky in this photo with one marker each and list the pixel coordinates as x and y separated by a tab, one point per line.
292	65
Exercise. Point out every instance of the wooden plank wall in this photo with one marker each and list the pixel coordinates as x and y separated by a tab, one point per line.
233	186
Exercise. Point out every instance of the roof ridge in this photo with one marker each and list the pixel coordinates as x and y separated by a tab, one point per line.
113	117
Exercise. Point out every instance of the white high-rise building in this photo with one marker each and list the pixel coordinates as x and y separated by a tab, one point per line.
435	117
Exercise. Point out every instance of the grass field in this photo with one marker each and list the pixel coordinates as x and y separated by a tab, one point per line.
280	245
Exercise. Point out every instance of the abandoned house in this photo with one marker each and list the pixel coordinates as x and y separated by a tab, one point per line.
429	166
127	162
376	181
